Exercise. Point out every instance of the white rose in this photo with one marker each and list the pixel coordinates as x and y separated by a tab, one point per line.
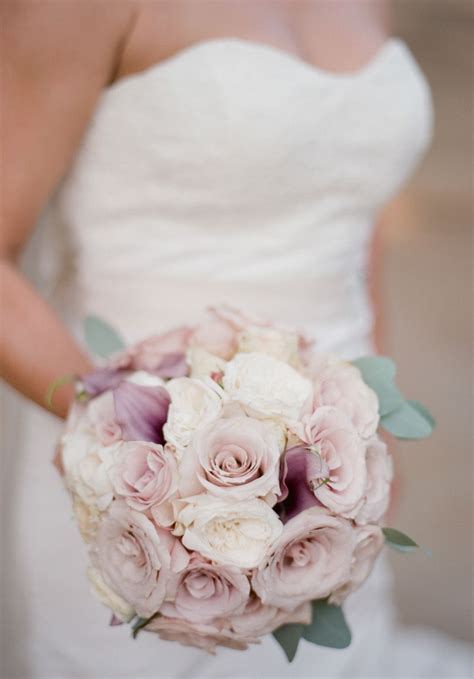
108	597
283	346
227	532
86	465
202	363
266	386
194	403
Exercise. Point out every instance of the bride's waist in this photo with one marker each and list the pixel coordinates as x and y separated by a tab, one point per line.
334	308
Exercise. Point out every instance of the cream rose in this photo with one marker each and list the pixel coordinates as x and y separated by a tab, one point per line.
206	592
340	384
369	542
108	597
266	386
333	437
137	560
310	559
228	532
379	478
272	342
86	465
146	476
194	403
203	364
236	458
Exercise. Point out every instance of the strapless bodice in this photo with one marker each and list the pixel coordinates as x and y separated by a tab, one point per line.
234	172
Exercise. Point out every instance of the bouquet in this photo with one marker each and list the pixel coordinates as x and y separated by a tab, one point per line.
230	482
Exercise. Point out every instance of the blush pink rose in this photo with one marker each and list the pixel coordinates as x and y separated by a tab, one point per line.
163	354
311	559
333	437
101	414
241	322
258	618
205	592
379	478
201	635
136	559
340	384
217	337
235	457
145	475
369	542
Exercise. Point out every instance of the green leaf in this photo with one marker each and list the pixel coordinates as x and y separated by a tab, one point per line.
424	412
399	540
101	338
408	422
288	636
378	372
329	627
140	623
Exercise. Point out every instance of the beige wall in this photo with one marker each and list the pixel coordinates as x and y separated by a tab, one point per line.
428	297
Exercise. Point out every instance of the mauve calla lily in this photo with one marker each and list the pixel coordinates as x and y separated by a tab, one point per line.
141	411
102	379
300	469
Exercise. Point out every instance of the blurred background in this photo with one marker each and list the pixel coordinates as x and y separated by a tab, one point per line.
427	296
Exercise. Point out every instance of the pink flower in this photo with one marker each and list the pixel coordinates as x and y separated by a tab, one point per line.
258	618
311	559
340	384
101	414
217	337
332	436
202	635
205	592
236	458
136	559
146	476
164	355
379	478
369	542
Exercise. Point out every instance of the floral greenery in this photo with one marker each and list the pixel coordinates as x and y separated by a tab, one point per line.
404	419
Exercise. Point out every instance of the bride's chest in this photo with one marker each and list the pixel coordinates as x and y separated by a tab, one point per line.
229	125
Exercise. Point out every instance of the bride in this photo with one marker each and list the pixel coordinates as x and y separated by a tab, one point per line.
186	153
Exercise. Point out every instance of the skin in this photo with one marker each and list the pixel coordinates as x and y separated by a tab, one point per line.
52	76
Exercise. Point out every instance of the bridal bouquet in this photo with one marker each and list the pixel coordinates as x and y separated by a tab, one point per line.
229	480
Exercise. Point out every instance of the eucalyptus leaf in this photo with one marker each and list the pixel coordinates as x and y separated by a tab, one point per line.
399	540
408	422
329	626
288	636
424	412
101	339
378	372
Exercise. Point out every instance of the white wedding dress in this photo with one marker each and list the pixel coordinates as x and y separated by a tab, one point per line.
232	173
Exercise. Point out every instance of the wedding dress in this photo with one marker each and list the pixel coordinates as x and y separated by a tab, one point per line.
236	173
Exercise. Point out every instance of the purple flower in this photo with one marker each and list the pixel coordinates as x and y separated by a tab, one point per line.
102	379
300	472
141	411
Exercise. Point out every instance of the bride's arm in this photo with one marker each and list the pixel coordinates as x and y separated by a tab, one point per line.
56	59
